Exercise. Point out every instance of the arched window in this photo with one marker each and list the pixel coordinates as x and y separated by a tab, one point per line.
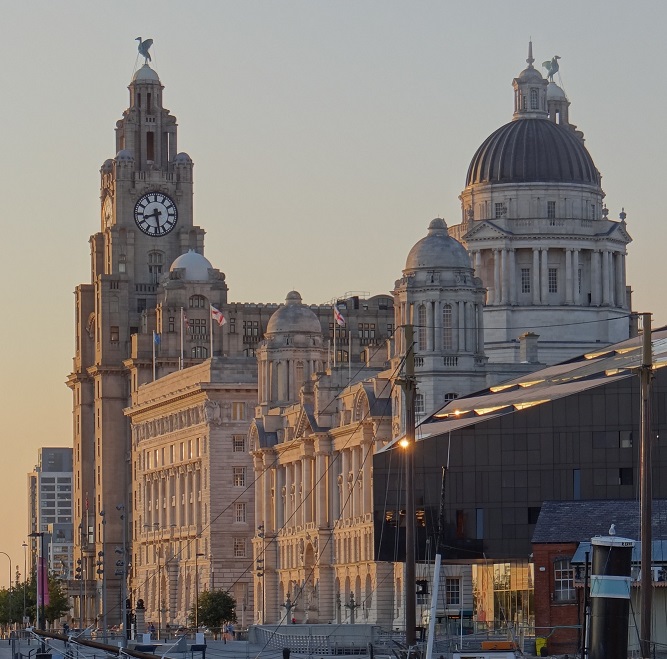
450	396
534	104
421	322
198	302
447	343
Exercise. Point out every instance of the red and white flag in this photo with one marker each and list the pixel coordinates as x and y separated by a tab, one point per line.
218	316
338	316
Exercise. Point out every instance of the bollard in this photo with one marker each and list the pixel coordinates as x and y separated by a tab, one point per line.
610	597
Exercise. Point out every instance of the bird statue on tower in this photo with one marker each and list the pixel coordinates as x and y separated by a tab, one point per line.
143	48
551	66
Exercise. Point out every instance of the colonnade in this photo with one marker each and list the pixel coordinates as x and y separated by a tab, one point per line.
171	497
280	380
606	267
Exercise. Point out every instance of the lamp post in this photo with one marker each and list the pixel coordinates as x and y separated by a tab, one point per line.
197	555
101	571
10	583
40	577
25	573
123	583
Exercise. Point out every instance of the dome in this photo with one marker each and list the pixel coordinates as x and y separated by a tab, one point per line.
530	74
294	316
182	158
555	93
532	150
195	265
145	74
107	165
437	250
125	155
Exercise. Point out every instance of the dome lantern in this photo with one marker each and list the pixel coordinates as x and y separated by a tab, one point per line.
530	91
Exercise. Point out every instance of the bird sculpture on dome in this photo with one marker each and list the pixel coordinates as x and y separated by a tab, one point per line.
143	48
551	67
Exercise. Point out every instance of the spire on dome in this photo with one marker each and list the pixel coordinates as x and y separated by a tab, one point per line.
530	59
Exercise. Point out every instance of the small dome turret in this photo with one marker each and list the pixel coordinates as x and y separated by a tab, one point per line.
124	155
146	74
182	158
437	250
293	316
195	265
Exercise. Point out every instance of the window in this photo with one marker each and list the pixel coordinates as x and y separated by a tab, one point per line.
198	326
240	512
625	438
238	411
199	352
534	101
592	212
238	443
553	280
551	210
239	476
155	262
447	343
366	332
625	476
419	403
172	323
198	302
452	592
141	304
421	323
250	329
525	280
239	548
563	580
533	514
479	523
114	334
232	325
450	396
579	277
499	209
576	484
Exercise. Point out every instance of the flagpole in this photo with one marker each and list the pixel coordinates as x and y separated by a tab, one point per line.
153	355
210	320
349	352
180	366
335	326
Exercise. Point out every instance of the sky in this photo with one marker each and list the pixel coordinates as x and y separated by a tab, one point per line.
325	135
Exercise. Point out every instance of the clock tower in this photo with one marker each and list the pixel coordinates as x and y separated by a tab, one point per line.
146	223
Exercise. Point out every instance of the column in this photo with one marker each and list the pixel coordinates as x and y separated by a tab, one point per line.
437	338
595	278
429	326
345	470
307	489
496	277
355	480
576	299
455	327
188	488
480	328
367	459
179	498
289	520
334	488
279	501
478	263
298	493
470	321
462	326
322	508
536	276
568	276
512	276
620	280
606	298
504	276
196	486
544	274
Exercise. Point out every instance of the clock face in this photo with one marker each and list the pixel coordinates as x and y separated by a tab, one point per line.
155	214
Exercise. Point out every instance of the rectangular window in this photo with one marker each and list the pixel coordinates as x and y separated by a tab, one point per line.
232	325
625	476
563	581
499	209
452	592
533	514
114	334
250	329
479	523
525	280
240	512
239	548
553	280
198	326
238	411
551	210
579	278
238	443
625	438
150	146
141	304
576	484
419	404
239	476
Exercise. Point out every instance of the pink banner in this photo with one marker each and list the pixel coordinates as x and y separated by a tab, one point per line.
42	582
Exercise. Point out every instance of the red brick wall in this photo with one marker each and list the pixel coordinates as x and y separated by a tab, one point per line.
550	614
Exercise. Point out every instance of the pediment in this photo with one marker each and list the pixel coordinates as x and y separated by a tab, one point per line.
303	427
485	230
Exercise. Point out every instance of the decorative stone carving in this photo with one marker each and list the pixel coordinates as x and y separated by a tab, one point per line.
212	412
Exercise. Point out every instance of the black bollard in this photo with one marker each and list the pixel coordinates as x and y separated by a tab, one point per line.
610	597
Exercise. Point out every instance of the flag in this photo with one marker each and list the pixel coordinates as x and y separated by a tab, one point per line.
218	316
186	321
338	316
157	339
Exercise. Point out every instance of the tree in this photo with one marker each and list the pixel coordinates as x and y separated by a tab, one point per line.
58	602
214	608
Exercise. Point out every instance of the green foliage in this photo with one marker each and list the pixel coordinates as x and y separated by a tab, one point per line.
215	608
58	603
11	601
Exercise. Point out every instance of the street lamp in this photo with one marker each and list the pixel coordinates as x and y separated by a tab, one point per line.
197	555
101	571
25	572
10	583
40	577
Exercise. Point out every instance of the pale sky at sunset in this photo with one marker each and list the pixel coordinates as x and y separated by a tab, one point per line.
325	136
